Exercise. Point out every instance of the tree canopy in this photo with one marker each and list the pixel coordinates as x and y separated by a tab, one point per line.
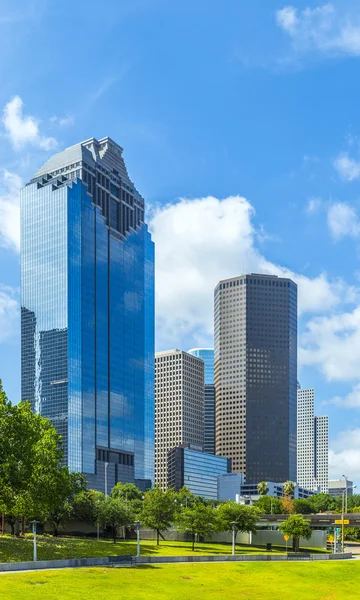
158	510
296	527
199	519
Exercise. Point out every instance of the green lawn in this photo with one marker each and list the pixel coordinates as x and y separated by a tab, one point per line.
310	581
15	549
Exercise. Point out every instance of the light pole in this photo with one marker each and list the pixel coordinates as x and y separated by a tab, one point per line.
233	523
138	525
346	486
34	523
106	466
342	521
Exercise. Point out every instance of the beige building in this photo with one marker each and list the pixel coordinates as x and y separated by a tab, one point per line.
179	405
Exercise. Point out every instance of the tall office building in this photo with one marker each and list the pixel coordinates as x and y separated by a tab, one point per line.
255	375
87	317
207	355
312	444
179	406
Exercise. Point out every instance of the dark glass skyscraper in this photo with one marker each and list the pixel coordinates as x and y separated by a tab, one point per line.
256	375
207	355
87	322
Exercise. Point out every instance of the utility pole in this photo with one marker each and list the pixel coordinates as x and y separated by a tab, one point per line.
346	490
342	522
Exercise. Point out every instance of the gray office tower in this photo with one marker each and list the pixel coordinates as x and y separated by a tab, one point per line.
256	375
207	355
87	314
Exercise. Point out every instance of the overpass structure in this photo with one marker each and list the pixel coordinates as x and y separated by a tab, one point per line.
317	521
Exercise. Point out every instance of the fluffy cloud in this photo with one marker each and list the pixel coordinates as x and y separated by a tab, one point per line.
324	28
332	343
10	211
62	121
9	313
351	400
343	221
344	455
199	242
314	205
348	168
23	129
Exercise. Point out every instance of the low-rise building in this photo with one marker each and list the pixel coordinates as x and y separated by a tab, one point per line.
232	487
338	486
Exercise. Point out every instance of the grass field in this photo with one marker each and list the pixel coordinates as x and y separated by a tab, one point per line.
49	548
310	581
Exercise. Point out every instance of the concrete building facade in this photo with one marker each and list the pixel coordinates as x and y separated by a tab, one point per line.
179	406
207	355
312	443
256	375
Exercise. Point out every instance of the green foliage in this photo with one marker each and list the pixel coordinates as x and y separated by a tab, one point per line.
198	519
353	501
323	503
289	489
244	517
296	527
263	488
32	480
114	512
158	510
185	499
269	505
132	496
67	487
303	507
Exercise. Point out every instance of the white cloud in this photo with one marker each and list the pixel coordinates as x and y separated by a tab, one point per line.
314	205
343	221
10	211
351	400
200	241
325	29
23	129
62	121
332	343
348	168
344	455
9	313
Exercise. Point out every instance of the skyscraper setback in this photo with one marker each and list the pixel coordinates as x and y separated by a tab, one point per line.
87	322
256	375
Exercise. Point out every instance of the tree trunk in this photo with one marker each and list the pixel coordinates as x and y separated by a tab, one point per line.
158	537
12	525
193	542
17	530
114	533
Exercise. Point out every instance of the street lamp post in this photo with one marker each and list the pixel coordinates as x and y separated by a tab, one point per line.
342	521
346	486
138	525
106	485
34	523
233	523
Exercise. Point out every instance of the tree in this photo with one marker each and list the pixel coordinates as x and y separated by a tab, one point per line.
353	501
289	489
31	470
132	496
296	527
323	503
241	518
83	507
67	487
198	519
263	488
115	513
269	505
185	499
287	505
303	507
158	510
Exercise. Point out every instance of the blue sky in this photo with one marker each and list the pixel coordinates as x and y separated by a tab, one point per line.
240	126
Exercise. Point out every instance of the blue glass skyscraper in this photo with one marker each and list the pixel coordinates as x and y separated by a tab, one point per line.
87	317
207	355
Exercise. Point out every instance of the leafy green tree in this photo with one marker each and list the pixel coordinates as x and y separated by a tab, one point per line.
243	517
158	510
31	473
83	507
323	503
198	519
263	488
66	488
269	505
132	496
353	501
303	507
185	499
115	513
289	489
296	527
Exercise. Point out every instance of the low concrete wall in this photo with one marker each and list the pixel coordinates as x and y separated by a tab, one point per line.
132	561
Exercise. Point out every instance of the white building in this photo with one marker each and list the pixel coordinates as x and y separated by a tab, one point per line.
338	486
312	444
231	486
179	406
